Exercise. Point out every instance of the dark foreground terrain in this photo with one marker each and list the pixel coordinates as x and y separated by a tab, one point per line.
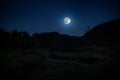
54	56
84	63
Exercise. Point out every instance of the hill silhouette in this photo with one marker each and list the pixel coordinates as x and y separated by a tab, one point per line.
104	34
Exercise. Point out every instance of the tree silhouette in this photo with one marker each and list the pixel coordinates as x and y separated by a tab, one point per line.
1	31
87	29
35	35
24	34
15	34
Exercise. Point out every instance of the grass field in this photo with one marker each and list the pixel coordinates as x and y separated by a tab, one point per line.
84	63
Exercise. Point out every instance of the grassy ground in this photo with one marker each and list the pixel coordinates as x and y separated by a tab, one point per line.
96	63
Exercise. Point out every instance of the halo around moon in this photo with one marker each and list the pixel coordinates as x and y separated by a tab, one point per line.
67	20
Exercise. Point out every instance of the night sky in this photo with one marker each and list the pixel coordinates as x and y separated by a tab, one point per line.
48	15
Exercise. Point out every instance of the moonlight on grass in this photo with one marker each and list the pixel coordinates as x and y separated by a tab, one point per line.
67	20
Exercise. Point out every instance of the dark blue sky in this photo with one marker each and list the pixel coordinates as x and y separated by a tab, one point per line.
48	15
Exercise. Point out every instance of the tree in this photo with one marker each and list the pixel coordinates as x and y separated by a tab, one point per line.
88	29
15	34
35	35
24	34
2	33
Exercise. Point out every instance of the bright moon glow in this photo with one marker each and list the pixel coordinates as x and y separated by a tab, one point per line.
67	20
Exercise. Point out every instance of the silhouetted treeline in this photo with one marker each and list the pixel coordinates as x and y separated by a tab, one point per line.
17	39
106	34
14	39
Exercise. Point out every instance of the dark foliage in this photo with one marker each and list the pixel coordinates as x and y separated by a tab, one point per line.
37	40
103	34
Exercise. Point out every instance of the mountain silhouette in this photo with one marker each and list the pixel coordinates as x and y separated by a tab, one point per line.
104	34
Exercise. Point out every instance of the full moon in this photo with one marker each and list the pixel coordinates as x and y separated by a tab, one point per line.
67	20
